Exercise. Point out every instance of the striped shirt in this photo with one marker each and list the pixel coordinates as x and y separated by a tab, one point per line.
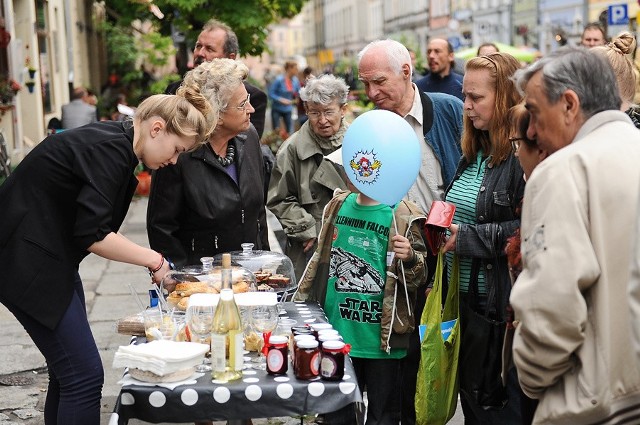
464	195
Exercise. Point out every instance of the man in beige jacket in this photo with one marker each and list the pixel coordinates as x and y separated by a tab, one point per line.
634	290
572	346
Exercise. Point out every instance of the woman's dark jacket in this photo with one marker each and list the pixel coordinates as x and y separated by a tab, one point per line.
497	218
197	210
72	190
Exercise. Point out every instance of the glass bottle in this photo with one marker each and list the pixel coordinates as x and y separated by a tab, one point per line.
226	336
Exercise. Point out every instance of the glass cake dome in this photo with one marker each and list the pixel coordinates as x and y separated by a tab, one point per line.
273	271
178	285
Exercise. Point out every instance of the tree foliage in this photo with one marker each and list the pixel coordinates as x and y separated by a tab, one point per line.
248	18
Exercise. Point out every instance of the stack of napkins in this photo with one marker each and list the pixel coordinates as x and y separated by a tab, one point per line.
160	357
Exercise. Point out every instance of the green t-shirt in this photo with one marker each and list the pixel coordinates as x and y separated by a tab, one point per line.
357	274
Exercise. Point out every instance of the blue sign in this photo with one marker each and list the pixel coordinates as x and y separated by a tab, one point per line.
455	42
618	14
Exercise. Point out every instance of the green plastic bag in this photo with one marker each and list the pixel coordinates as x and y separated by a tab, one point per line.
437	387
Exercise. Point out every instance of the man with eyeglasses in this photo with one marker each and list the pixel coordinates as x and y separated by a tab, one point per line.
217	40
384	66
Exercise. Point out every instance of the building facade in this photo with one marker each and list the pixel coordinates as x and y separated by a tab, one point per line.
338	29
51	45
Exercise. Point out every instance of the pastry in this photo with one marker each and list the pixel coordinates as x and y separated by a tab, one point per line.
187	288
278	281
262	275
240	286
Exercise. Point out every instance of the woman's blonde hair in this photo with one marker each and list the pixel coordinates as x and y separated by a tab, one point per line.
495	141
216	80
616	53
187	114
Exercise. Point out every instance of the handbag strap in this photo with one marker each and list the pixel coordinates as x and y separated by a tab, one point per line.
434	315
452	301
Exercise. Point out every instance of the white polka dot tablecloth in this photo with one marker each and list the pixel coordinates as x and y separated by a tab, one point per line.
255	395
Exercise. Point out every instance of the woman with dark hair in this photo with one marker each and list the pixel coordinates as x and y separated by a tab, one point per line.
530	155
526	150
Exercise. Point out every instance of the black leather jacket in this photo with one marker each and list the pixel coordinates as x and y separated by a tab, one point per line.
196	209
497	218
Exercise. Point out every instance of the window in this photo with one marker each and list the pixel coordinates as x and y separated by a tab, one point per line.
44	63
4	42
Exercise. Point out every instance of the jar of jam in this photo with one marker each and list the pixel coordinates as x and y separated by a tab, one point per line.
332	360
277	355
328	337
294	346
318	326
330	331
307	363
301	330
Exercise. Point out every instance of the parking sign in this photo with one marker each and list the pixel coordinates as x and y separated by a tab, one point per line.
618	14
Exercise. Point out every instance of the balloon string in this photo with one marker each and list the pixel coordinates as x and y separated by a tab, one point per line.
404	279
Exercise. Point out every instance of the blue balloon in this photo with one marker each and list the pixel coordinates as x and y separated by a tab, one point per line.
381	155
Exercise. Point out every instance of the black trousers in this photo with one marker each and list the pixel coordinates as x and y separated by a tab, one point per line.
380	378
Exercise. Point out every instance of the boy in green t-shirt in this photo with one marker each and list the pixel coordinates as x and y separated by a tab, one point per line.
356	274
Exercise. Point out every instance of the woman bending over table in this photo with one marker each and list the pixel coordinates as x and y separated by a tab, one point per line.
66	199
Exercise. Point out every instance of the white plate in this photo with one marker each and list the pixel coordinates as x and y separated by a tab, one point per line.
146	376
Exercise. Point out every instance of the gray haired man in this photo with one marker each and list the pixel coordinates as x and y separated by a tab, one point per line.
572	345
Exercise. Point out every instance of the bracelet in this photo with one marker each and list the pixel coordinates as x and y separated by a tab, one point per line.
152	271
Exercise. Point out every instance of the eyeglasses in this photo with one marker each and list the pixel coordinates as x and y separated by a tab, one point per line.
516	141
243	105
315	115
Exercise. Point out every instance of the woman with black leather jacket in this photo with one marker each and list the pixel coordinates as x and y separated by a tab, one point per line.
487	189
213	199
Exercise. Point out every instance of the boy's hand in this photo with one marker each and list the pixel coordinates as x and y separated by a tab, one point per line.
402	247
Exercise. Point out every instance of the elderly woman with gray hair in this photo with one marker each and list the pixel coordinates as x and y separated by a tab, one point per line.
303	179
213	199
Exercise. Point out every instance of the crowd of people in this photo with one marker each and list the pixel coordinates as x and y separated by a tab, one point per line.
540	161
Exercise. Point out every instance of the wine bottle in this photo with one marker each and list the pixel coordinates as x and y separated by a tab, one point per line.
226	336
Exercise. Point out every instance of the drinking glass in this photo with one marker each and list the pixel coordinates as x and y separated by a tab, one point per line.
200	321
264	319
152	323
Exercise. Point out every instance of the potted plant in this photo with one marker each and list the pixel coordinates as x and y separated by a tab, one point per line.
30	68
30	85
8	89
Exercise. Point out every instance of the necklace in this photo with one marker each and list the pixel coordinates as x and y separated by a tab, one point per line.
228	158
